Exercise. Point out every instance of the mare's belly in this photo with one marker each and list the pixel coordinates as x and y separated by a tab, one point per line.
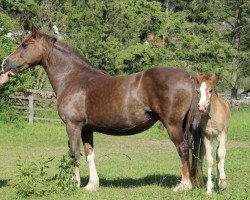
117	106
123	124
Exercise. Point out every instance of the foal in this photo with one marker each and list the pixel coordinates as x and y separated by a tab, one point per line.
214	123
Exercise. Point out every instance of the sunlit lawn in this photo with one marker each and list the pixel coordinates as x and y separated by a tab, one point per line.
143	166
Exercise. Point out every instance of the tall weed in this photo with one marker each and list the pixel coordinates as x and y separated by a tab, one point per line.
33	178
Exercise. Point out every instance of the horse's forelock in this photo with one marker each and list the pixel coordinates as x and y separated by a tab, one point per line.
205	77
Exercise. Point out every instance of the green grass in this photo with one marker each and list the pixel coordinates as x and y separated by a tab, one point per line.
143	166
239	128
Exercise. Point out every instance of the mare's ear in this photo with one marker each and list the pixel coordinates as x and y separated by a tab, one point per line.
213	78
33	31
198	79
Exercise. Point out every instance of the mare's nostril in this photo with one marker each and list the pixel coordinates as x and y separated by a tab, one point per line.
4	64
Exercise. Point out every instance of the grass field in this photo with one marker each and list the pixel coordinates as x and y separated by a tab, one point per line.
143	166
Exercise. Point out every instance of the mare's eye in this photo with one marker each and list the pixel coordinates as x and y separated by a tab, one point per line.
197	91
211	90
24	45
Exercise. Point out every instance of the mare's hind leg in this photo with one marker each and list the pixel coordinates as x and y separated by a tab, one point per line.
87	139
220	155
74	133
177	136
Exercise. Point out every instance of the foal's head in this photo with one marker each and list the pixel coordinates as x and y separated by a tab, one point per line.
28	54
205	88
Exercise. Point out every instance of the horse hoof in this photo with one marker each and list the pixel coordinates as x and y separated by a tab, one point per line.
209	192
222	185
92	187
182	187
177	188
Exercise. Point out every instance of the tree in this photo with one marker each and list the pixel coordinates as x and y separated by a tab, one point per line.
9	37
198	35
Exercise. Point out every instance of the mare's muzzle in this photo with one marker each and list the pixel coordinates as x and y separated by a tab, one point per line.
9	66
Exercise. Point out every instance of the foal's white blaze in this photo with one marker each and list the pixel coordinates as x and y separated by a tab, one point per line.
203	97
93	184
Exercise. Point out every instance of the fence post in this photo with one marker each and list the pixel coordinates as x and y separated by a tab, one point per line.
31	109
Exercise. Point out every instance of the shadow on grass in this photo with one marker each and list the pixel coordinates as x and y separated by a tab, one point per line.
164	180
3	183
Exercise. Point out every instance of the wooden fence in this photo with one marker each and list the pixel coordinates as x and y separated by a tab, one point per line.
29	106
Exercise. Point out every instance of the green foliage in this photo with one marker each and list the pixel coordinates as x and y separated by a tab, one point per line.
135	58
6	24
63	179
107	28
199	35
33	178
21	82
7	113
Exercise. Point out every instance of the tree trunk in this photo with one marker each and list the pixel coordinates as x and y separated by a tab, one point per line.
167	7
236	43
235	77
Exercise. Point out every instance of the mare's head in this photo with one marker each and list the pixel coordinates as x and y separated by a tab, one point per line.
28	54
205	89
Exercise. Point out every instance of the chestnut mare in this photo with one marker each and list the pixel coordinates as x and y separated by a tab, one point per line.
214	123
90	100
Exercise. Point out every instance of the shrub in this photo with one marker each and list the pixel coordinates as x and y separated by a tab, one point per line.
33	178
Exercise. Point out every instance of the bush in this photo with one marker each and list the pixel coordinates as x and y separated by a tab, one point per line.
33	178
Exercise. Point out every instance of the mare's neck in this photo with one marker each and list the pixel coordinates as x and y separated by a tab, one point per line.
62	65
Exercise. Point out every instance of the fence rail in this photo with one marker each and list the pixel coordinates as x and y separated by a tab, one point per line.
32	105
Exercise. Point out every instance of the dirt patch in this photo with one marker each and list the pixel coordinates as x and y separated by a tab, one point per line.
237	144
159	144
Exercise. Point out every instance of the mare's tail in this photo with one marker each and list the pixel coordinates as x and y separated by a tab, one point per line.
193	134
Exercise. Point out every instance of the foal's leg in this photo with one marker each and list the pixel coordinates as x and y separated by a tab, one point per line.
87	139
74	133
177	136
209	158
220	155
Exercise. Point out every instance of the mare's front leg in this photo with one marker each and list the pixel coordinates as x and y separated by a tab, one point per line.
74	134
87	139
220	155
